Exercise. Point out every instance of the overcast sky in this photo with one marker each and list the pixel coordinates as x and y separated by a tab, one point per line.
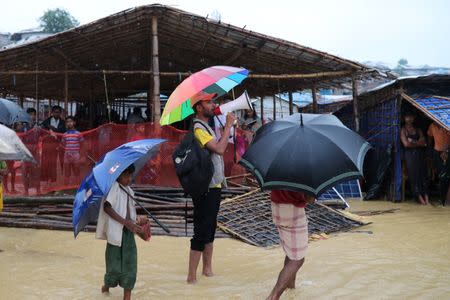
362	30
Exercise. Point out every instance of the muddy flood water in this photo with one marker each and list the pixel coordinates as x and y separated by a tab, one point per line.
407	256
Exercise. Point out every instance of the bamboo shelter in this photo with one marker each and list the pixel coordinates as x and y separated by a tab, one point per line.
152	48
381	111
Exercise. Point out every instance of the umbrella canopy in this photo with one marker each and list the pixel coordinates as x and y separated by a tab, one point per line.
217	80
307	153
11	147
10	113
98	183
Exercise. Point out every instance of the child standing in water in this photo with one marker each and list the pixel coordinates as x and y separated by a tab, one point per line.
117	223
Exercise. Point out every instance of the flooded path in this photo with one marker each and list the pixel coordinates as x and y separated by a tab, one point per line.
406	257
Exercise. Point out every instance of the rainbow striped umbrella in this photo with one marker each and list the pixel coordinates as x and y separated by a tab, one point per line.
201	85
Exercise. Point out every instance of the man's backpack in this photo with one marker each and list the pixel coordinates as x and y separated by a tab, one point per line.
193	165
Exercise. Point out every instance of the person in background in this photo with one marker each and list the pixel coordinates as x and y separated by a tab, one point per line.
414	145
51	156
136	116
71	143
251	121
117	223
440	139
3	173
139	133
33	115
55	122
31	171
13	165
288	213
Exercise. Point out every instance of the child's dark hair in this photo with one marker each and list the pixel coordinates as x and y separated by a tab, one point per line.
130	170
70	118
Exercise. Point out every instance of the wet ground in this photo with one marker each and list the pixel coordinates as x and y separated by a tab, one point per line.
402	255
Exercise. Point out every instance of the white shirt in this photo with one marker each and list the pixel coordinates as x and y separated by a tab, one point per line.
219	126
108	228
54	122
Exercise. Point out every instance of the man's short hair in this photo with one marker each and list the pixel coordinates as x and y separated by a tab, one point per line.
56	107
194	107
31	110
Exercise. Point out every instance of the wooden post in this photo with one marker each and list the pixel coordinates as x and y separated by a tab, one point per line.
274	107
355	103
155	68
36	96
66	93
315	106
49	106
291	103
21	97
262	109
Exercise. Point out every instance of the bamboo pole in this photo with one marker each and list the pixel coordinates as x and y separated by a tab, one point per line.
36	94
291	103
66	92
262	109
355	103
21	97
155	68
274	107
314	99
173	74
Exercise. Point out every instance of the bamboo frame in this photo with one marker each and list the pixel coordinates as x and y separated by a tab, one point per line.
314	99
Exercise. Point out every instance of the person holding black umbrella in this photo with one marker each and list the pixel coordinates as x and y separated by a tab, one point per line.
298	159
288	213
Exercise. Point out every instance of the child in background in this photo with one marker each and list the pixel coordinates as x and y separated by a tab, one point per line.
117	223
72	144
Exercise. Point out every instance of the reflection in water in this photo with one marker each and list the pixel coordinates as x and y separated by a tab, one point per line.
407	256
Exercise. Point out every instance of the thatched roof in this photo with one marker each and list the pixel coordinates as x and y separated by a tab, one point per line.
187	43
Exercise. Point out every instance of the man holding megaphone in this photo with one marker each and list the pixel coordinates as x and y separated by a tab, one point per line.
206	207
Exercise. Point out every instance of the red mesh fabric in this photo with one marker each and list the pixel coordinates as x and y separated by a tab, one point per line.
56	171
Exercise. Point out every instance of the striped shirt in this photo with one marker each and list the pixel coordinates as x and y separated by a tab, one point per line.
71	140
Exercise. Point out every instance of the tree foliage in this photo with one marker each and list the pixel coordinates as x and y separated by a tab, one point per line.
57	20
401	65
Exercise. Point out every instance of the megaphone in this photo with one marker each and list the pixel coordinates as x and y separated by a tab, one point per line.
242	102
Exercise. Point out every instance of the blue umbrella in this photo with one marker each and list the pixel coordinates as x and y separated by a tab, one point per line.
11	113
98	183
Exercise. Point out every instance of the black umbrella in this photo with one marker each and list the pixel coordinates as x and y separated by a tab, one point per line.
305	152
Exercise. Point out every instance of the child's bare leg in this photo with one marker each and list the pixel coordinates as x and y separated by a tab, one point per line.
105	289
126	294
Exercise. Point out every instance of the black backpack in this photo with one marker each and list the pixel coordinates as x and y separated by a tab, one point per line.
193	165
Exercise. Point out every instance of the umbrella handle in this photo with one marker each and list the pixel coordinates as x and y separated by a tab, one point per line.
164	227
